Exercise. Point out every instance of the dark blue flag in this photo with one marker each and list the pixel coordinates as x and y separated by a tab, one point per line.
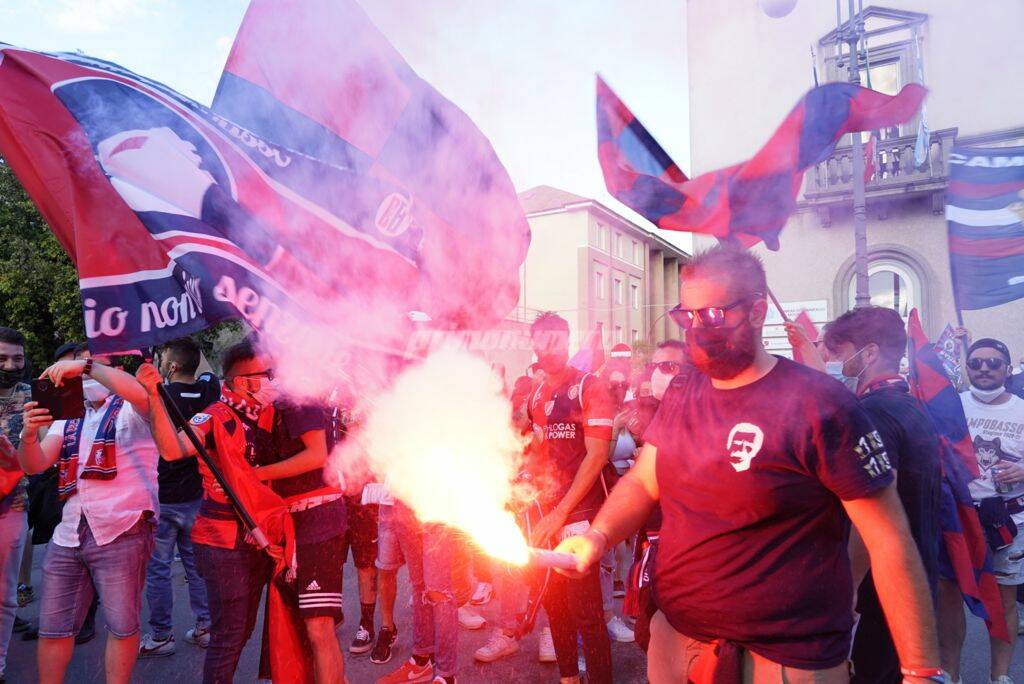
985	212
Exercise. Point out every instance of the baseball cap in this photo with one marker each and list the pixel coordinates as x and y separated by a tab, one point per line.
990	343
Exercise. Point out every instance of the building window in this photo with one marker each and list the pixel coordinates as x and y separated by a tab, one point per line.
636	252
620	246
618	334
634	337
618	291
893	41
634	295
599	284
891	284
602	237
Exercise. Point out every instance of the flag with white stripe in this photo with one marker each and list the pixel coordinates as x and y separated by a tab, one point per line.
178	216
985	217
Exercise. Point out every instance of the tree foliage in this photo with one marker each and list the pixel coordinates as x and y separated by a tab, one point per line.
38	283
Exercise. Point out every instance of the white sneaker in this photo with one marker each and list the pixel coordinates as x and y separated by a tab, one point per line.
497	647
200	636
546	647
483	594
156	648
1001	680
618	631
470	619
950	680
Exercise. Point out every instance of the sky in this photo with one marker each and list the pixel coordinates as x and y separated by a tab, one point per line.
523	70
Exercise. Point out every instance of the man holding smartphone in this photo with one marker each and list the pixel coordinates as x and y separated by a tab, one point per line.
107	464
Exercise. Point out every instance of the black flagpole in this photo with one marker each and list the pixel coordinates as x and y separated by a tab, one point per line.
181	423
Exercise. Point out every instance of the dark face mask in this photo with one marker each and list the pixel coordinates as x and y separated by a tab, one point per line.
722	353
10	378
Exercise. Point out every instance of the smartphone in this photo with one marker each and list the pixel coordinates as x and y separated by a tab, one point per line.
64	402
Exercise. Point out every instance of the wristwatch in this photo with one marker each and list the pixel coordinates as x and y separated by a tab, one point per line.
88	367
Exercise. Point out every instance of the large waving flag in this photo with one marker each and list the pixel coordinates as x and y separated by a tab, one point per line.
751	201
985	216
177	217
964	554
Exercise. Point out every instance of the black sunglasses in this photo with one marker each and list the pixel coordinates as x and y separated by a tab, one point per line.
268	374
710	316
666	367
993	363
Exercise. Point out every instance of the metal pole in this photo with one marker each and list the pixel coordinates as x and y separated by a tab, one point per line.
181	423
860	223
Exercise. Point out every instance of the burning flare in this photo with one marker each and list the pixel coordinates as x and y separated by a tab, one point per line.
441	439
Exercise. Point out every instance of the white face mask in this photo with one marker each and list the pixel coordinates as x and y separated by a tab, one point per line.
659	383
987	396
94	391
267	394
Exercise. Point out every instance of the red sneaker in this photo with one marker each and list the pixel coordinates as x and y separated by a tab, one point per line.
408	673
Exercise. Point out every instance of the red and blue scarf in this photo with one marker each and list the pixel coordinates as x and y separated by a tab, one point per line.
101	462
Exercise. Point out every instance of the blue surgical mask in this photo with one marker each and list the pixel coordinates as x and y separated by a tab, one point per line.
835	370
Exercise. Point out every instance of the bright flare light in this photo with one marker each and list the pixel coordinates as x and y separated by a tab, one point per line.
443	442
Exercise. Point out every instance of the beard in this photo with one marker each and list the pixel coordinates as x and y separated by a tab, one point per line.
722	353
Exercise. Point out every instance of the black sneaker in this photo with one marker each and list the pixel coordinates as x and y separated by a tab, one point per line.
382	649
363	641
20	625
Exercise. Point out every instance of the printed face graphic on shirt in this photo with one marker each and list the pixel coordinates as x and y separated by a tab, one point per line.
745	441
990	452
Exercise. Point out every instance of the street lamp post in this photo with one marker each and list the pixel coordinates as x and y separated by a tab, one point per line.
851	33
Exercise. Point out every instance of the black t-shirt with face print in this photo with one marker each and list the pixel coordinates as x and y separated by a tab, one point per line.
753	541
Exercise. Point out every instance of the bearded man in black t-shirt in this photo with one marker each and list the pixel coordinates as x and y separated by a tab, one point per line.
869	343
757	462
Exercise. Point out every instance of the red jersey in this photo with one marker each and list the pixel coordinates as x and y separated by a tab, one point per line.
564	411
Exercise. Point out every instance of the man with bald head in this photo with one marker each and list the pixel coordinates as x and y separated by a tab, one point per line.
758	464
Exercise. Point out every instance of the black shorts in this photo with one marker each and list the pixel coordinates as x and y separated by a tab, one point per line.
361	535
319	578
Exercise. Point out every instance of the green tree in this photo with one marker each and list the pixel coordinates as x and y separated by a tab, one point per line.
38	283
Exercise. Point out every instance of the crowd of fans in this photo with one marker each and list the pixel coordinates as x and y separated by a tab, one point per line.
707	493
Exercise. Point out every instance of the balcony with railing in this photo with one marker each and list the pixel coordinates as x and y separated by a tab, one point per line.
896	174
830	183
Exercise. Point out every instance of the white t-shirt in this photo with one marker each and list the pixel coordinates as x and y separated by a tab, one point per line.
997	431
111	506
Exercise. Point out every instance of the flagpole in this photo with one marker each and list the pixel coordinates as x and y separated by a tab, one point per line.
853	33
181	423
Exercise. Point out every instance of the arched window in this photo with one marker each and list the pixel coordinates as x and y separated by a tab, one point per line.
892	284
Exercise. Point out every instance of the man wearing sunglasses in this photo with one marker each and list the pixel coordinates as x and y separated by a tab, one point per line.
286	448
759	463
995	419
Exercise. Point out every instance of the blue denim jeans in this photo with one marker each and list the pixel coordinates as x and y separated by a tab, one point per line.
234	584
13	531
174	529
428	551
115	571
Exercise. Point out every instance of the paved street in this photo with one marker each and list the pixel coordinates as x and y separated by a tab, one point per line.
186	665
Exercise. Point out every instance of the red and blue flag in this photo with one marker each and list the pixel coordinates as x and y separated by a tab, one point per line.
751	201
348	184
985	217
964	555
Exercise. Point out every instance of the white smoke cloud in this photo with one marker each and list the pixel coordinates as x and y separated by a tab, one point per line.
441	438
